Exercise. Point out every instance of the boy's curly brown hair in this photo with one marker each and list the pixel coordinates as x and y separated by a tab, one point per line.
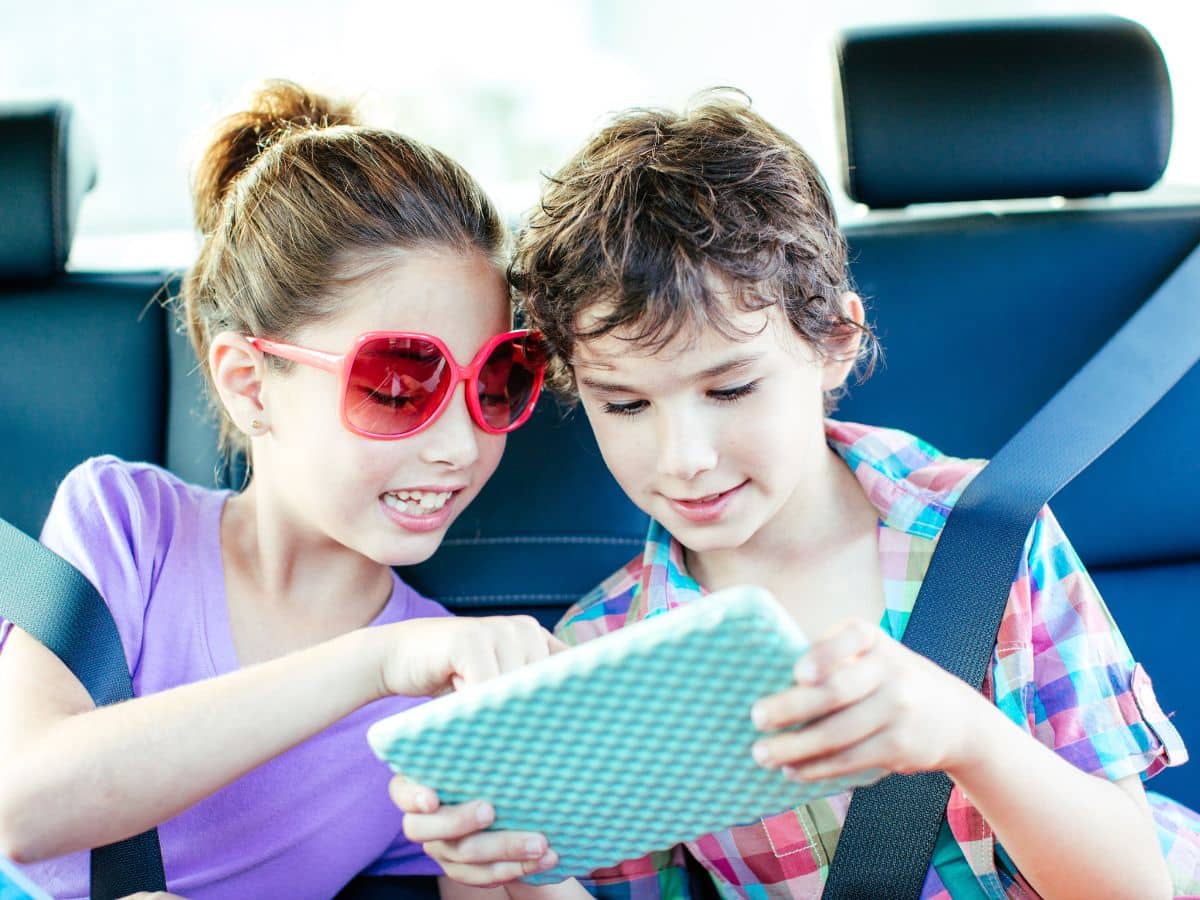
662	217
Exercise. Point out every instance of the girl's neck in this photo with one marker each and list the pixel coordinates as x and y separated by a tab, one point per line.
297	570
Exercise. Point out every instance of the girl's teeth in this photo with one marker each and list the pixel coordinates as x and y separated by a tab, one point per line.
416	502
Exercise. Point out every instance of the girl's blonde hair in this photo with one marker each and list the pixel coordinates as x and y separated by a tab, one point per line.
293	197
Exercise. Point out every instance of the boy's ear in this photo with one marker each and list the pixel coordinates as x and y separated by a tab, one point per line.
237	371
842	349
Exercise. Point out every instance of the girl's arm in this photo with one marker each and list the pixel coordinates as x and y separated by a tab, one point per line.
874	704
74	776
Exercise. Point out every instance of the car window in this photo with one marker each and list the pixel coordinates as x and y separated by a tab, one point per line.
507	89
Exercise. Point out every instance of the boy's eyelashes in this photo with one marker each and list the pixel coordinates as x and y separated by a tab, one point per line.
727	395
623	409
721	395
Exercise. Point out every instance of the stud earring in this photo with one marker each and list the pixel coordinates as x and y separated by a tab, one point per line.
255	426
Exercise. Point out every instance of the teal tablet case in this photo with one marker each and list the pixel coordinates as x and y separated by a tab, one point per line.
630	743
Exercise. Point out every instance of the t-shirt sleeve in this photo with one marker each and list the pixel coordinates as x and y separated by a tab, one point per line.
1063	670
107	521
403	857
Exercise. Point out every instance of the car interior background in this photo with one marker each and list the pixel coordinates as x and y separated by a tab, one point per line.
997	304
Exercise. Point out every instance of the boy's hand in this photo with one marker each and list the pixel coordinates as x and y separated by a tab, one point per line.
454	837
427	657
867	702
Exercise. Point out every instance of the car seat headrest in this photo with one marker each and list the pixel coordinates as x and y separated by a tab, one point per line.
1071	107
45	169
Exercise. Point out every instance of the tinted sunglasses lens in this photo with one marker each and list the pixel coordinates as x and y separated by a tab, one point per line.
395	385
509	380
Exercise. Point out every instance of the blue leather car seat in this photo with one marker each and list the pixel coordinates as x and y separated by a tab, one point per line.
985	309
89	363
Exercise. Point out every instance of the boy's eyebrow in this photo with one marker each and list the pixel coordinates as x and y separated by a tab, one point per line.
730	366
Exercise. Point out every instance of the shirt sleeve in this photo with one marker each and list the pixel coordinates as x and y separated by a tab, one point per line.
657	875
108	520
1063	671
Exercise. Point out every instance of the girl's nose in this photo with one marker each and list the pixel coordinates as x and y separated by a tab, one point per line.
453	440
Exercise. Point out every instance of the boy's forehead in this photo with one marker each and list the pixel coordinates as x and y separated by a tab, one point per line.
627	344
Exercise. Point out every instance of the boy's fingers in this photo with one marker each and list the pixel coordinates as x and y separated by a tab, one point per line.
449	823
412	797
844	686
851	638
824	737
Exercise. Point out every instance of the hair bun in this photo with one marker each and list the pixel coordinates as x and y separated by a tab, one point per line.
276	110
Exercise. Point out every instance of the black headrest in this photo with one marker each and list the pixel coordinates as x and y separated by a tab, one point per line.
45	169
1070	107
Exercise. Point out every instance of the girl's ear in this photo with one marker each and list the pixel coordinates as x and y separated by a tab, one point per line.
842	349
237	370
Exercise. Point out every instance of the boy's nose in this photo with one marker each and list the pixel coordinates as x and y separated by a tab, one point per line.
685	448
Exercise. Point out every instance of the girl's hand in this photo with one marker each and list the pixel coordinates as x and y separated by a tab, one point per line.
867	702
454	836
427	657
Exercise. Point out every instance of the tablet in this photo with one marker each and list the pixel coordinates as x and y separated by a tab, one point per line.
627	744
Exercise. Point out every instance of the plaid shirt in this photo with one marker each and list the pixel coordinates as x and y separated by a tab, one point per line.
1060	670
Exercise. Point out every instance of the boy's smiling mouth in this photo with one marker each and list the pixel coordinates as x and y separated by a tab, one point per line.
708	508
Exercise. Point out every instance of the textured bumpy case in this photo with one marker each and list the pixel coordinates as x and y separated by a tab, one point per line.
632	742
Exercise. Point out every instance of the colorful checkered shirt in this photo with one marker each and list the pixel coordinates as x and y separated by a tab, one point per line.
1060	670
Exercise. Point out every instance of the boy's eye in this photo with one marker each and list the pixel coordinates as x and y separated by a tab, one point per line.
728	395
624	409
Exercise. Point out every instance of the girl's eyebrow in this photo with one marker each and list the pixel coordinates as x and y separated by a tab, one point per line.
730	366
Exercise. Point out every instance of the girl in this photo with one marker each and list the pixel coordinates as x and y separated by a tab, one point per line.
690	278
349	280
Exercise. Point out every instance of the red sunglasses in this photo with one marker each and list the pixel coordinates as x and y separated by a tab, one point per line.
396	383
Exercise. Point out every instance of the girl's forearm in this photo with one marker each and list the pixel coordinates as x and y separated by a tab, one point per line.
1069	833
150	758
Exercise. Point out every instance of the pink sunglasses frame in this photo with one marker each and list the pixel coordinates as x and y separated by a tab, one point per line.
341	365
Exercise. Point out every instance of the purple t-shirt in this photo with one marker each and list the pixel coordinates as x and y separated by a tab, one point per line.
301	825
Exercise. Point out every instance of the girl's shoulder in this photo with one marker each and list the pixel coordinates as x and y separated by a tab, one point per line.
132	529
139	501
110	481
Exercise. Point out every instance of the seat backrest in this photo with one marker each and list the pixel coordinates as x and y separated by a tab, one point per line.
984	311
89	363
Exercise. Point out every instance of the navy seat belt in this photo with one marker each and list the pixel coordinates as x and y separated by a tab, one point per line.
891	828
47	597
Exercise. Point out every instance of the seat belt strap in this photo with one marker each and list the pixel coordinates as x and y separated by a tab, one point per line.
46	596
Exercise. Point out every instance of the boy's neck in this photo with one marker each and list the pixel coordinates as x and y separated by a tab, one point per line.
828	516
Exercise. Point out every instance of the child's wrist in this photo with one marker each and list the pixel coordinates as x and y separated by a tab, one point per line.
983	732
368	650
